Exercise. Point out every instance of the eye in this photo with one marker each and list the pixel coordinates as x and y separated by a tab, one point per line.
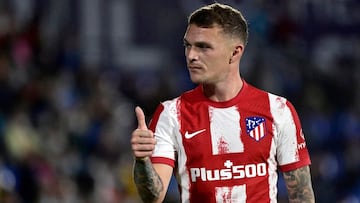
203	46
187	45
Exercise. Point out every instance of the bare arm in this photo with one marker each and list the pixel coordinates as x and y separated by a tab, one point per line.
152	180
147	181
299	186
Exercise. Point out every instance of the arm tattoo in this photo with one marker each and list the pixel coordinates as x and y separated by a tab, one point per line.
148	182
298	184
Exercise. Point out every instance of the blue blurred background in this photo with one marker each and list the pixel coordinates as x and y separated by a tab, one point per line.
72	71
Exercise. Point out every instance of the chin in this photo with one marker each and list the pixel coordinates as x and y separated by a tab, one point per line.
195	80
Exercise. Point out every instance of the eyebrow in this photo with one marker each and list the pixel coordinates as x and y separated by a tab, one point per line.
198	44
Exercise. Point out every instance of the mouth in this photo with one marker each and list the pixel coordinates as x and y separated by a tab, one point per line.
194	67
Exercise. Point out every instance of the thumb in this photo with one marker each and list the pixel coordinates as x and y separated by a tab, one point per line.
140	118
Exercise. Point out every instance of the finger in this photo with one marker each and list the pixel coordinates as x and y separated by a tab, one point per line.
145	139
144	148
140	118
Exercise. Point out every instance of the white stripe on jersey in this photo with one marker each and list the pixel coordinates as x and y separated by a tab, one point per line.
285	140
230	194
272	170
225	140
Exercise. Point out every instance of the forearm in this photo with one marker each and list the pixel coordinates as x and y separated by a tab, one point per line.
299	186
148	182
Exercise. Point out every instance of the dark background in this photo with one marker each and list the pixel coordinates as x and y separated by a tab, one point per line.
72	71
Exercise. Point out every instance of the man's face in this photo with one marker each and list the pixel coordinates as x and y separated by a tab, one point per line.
207	51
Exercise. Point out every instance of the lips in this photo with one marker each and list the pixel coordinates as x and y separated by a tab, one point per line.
194	67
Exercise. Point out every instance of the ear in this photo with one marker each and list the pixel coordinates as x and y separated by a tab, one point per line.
237	53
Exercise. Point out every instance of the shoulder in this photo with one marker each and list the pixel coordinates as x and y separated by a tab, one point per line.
170	106
263	98
276	101
279	107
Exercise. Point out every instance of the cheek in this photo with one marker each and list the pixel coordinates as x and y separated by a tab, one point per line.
218	60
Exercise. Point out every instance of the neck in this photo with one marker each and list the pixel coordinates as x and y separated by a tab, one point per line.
223	92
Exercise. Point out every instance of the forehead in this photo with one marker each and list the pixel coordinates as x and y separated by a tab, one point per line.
195	33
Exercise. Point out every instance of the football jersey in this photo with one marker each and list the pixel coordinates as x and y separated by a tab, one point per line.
228	151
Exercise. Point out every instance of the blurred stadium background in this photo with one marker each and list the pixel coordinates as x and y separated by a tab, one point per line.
72	71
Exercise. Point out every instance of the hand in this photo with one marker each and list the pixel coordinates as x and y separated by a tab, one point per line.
142	139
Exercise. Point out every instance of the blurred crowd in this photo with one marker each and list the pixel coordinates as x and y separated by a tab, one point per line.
71	73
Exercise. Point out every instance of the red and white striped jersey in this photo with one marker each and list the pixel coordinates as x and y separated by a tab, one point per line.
228	151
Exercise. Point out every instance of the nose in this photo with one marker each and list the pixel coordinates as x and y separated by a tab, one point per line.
191	54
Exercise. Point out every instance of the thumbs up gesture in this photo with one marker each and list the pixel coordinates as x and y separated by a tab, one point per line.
142	139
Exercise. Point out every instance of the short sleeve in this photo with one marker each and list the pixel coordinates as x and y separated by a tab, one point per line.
291	147
162	124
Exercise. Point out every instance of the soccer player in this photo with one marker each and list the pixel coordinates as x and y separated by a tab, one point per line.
225	139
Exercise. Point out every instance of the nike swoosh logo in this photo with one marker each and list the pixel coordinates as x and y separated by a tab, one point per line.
190	135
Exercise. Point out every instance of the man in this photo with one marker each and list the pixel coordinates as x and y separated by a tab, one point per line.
225	139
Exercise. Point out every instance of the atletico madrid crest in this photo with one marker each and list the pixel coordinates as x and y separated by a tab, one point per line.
255	127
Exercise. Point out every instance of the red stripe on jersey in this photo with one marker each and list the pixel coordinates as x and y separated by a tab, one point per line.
161	160
155	117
